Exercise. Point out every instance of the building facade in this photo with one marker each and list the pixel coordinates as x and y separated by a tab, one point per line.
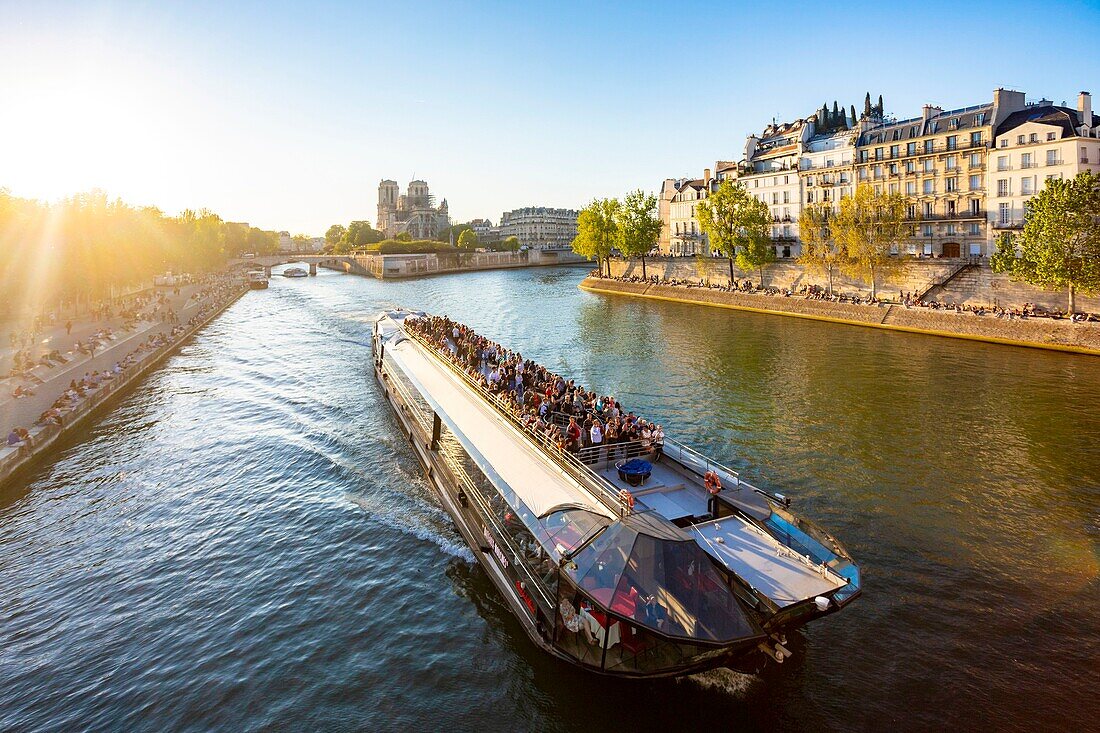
485	231
540	227
771	173
1034	145
827	168
414	212
684	235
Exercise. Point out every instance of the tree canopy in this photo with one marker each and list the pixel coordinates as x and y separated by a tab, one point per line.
819	248
597	230
1060	244
867	226
638	224
737	225
468	239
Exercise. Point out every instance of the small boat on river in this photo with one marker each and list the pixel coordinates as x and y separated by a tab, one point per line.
639	558
295	272
257	279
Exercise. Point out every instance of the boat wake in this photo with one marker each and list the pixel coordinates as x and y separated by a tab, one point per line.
724	680
418	527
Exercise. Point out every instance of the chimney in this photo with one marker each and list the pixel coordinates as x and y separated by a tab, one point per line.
1084	108
1005	102
706	176
929	111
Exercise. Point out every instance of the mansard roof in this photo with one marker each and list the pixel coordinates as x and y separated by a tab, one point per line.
967	118
1048	114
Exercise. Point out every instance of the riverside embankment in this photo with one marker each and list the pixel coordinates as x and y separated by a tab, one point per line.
146	344
1060	335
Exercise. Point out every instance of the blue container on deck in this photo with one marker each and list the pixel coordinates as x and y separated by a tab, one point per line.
635	471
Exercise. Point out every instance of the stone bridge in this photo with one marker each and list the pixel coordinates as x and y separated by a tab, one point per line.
343	263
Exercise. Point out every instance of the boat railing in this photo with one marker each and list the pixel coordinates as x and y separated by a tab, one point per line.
470	489
569	465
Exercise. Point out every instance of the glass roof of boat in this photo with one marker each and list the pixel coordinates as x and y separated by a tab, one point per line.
646	569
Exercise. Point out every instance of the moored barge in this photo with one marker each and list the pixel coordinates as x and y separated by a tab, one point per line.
622	559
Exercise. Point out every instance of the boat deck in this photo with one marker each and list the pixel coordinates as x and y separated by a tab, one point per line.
758	558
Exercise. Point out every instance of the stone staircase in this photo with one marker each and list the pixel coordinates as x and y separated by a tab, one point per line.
939	284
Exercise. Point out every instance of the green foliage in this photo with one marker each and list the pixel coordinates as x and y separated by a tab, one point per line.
1060	243
468	239
87	244
403	237
737	224
510	244
360	234
335	233
452	233
410	247
819	248
639	225
597	229
866	227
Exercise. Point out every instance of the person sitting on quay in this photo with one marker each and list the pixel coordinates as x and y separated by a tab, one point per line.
21	391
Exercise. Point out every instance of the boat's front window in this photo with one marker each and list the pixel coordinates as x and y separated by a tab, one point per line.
642	569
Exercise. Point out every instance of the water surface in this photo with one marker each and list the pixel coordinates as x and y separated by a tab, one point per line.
246	542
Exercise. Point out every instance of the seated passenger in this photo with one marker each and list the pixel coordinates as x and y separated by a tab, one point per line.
653	614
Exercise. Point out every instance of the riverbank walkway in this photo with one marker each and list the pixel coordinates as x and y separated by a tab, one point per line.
1059	334
36	405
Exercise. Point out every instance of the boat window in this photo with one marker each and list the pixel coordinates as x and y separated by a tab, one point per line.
643	569
567	529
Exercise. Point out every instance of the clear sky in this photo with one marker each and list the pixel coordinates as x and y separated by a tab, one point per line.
286	115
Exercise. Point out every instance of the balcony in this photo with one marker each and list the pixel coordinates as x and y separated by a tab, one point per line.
1000	225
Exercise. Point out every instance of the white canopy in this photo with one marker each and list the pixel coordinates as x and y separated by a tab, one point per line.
498	447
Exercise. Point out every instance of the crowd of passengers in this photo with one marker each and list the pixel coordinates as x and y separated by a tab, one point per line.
816	292
563	413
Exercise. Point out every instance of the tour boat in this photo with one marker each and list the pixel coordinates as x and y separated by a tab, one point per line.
257	279
614	558
295	272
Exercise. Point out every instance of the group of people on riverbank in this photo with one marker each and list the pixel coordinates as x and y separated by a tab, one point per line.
816	292
155	308
570	417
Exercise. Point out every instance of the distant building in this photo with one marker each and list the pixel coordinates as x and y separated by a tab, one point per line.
286	243
680	232
414	212
539	227
485	231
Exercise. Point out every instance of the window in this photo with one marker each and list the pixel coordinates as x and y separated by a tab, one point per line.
1002	186
895	151
878	189
775	197
927	208
809	197
952	162
910	166
928	146
878	171
1084	155
911	188
1005	213
786	180
810	182
952	142
952	185
862	156
863	174
786	231
951	230
1020	139
878	153
1002	162
1004	142
829	163
975	228
975	139
893	169
975	160
1025	160
911	212
1050	136
893	188
911	149
786	197
1052	157
929	186
928	166
1027	186
979	119
975	205
953	124
926	230
843	177
975	183
1033	137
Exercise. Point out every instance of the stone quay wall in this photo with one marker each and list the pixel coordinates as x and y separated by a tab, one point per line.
13	460
976	286
1061	335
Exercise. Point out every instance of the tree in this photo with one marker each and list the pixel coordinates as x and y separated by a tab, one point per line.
403	237
867	105
452	233
866	227
638	224
853	112
302	242
510	244
335	233
733	219
819	248
468	239
597	231
1060	243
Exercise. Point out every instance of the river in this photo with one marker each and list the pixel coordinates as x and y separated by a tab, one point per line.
246	542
